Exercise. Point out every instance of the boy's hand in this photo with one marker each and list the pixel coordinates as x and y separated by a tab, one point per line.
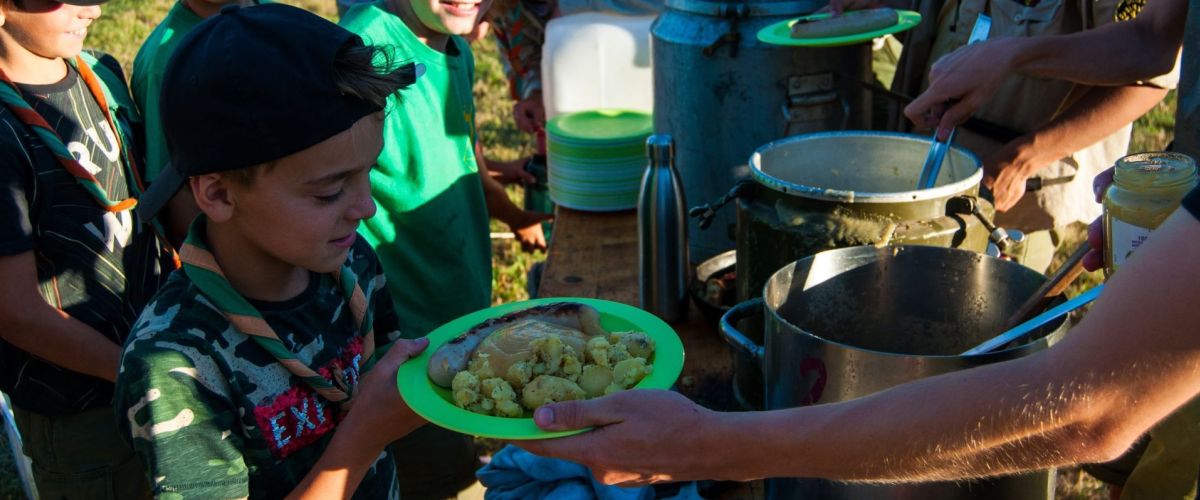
378	406
529	230
510	172
530	113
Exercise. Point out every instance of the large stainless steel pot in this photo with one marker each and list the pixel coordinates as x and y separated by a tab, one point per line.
846	323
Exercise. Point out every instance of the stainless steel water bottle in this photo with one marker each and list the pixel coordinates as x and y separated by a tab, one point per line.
662	234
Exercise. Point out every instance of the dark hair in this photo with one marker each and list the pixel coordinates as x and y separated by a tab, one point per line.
370	73
363	71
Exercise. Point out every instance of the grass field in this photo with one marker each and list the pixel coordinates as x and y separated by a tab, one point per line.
127	22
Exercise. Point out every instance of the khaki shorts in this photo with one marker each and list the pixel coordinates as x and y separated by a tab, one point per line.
81	456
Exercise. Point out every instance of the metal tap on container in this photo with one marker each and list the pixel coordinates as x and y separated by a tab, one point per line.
662	234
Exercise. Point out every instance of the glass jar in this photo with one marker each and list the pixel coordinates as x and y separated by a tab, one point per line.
1146	188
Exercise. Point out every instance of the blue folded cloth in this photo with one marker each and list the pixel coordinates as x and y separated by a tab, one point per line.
514	473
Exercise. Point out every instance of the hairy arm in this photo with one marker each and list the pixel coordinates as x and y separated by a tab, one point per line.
35	327
1094	116
1133	360
1114	54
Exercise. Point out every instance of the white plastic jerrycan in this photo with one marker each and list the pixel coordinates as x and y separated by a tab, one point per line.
597	60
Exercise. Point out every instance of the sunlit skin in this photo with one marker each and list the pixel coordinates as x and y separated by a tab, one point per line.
439	19
36	37
299	214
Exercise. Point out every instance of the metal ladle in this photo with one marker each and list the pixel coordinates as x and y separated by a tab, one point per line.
933	160
1020	331
937	150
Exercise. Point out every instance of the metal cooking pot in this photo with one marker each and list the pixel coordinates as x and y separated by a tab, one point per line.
847	323
821	191
829	190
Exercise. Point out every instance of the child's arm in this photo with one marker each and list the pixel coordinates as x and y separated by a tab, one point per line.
378	417
35	327
527	225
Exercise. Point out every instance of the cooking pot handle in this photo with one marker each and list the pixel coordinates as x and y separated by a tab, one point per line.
734	337
969	205
708	211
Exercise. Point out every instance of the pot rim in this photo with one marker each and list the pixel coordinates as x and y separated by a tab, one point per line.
1049	339
849	196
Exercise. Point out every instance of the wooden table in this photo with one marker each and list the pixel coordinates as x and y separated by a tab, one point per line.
595	255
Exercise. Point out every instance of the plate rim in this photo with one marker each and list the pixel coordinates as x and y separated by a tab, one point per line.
412	374
907	20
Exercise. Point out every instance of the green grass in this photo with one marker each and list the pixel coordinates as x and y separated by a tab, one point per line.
126	23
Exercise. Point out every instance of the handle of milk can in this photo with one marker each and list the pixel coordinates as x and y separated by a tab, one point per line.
708	211
734	336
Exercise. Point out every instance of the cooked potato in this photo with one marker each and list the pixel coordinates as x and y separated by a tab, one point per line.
597	349
629	372
553	371
549	389
594	379
638	344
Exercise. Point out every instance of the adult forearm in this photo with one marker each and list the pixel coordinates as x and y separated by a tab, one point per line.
1131	362
1114	54
1093	117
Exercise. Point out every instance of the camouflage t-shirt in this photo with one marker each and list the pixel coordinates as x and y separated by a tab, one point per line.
213	415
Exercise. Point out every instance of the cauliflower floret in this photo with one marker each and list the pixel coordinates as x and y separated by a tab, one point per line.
571	367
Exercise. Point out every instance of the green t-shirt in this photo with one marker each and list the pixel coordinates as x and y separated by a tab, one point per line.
213	415
431	231
146	82
148	68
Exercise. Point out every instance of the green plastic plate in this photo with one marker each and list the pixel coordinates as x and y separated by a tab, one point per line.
780	33
435	404
602	126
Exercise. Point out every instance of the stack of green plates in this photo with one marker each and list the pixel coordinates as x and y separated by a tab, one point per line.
597	158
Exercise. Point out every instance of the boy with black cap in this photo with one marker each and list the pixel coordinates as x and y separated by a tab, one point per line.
77	267
238	373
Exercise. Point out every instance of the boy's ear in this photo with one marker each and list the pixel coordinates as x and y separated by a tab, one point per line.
213	196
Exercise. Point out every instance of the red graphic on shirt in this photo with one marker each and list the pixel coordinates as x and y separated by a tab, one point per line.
299	417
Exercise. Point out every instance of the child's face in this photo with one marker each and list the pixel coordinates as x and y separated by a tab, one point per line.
46	28
305	210
451	17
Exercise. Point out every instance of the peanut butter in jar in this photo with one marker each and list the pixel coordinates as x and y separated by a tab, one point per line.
1146	189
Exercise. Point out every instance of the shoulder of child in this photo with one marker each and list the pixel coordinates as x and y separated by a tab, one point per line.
179	314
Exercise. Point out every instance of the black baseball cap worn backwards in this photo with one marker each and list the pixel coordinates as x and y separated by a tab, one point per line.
248	86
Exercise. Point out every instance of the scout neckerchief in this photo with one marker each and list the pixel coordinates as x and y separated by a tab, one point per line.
10	94
202	268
